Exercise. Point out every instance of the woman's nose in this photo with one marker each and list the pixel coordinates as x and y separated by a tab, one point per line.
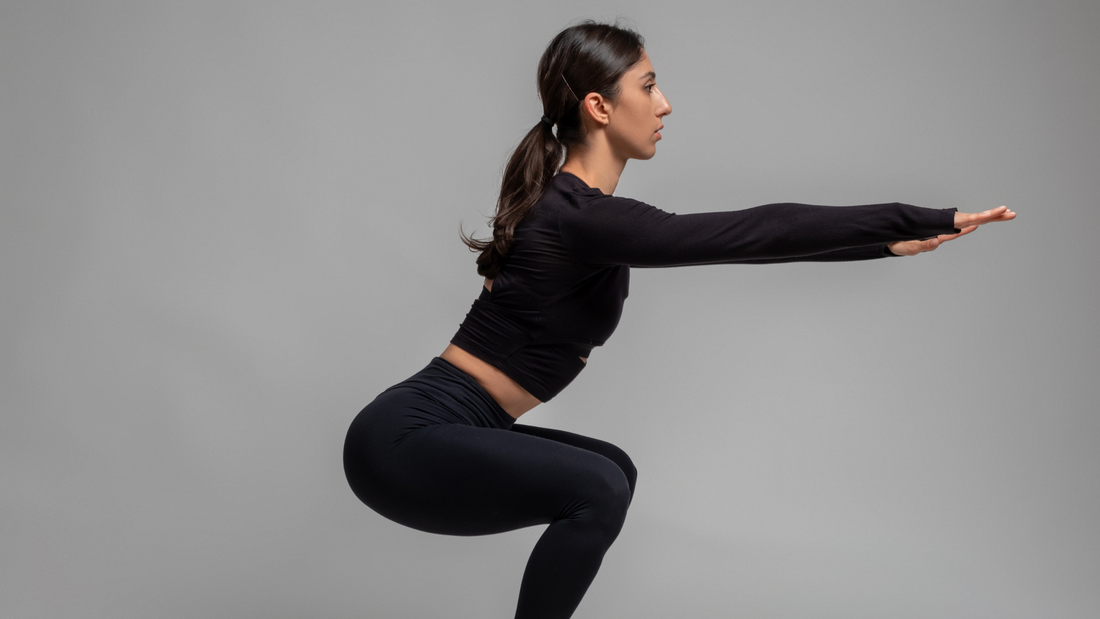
665	108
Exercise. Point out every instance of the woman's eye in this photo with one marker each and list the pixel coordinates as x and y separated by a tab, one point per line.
650	87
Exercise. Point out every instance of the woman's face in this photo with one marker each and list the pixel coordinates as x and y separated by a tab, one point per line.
636	113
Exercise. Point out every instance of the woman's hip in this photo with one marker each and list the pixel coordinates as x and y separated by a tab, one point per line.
384	434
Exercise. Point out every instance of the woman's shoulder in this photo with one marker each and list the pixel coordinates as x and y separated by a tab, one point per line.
569	190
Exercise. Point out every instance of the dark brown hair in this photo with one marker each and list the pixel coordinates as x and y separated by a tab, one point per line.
587	57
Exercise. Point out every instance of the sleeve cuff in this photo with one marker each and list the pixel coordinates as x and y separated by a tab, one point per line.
949	217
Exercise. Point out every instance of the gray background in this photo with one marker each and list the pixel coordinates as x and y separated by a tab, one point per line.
227	226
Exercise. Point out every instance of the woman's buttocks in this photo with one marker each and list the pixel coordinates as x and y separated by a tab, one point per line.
440	394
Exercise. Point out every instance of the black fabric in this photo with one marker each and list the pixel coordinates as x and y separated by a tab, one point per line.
437	453
562	287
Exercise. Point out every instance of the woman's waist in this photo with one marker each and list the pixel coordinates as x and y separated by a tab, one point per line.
508	394
450	395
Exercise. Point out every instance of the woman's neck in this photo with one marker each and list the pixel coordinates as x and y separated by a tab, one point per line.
596	166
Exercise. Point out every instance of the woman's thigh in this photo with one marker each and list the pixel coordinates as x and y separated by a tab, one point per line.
595	445
460	479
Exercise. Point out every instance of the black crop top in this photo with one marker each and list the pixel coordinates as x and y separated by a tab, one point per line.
561	290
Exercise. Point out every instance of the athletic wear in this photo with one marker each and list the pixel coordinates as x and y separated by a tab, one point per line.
560	291
437	453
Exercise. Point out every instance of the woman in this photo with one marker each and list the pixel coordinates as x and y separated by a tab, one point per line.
441	451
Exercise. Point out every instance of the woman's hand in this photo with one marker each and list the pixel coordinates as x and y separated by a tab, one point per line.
964	222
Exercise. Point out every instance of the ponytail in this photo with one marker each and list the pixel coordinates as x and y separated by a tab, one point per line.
589	56
526	177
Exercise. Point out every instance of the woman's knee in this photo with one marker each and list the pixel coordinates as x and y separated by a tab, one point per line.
630	471
607	493
625	464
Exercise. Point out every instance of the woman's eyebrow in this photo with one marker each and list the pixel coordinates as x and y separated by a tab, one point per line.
651	75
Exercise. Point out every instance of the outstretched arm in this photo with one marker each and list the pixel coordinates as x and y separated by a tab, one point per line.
611	230
964	222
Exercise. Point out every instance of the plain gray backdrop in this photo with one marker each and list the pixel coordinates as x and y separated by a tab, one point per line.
227	226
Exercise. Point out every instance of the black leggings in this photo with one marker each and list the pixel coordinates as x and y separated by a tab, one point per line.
435	452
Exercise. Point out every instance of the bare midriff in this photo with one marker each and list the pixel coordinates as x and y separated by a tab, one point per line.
514	399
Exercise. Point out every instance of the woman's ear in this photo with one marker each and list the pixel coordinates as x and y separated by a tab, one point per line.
596	109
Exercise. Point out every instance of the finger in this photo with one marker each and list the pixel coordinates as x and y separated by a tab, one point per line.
1001	214
1005	217
933	243
904	248
951	237
977	219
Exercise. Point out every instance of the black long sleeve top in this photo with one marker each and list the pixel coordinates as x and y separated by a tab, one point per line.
561	289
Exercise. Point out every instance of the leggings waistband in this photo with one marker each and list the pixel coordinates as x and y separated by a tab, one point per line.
442	380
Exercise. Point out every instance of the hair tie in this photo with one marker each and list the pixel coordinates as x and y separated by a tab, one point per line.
547	121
